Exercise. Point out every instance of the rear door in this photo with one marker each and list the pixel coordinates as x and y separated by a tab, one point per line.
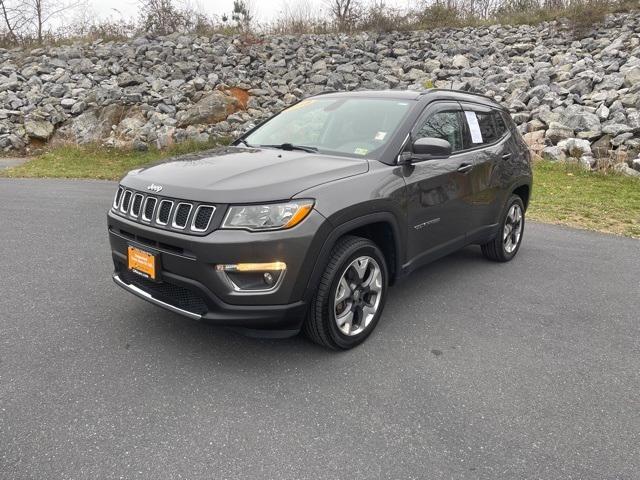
438	190
487	139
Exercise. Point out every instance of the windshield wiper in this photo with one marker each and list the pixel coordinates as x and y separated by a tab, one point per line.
290	146
242	140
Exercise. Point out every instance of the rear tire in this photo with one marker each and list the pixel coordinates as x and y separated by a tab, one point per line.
509	238
350	296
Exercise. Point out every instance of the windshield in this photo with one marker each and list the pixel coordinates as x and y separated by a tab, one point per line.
346	126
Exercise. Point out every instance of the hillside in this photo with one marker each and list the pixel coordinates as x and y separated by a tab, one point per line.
558	85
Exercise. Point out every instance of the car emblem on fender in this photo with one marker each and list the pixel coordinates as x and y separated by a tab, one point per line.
154	188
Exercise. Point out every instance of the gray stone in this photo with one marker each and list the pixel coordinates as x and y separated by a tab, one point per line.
625	169
460	61
557	132
553	154
632	77
39	129
616	129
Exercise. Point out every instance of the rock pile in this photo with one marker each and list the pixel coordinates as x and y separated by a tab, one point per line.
573	97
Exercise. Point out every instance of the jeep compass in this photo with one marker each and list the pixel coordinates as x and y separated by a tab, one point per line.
305	221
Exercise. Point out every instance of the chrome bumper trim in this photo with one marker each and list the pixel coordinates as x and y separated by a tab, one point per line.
146	296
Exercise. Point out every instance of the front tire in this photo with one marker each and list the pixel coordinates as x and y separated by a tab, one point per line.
350	297
509	238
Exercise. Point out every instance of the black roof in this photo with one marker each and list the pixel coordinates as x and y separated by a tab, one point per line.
433	93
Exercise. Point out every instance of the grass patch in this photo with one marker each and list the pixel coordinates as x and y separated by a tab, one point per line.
563	193
95	162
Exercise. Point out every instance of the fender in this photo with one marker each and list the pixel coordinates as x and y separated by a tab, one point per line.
346	227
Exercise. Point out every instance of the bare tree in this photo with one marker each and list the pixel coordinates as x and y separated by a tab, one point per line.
12	19
39	14
344	12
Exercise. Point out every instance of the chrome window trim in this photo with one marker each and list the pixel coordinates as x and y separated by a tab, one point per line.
144	208
195	215
175	214
133	202
124	194
159	208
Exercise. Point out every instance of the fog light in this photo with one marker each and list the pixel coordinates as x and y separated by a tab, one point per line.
253	277
252	267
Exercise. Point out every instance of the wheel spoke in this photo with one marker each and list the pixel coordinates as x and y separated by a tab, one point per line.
344	291
367	310
360	267
345	321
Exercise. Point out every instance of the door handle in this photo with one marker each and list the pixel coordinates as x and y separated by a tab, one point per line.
465	167
506	156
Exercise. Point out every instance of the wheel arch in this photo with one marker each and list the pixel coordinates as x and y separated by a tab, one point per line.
380	227
524	192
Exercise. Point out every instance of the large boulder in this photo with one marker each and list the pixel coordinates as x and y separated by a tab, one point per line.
39	129
557	132
632	77
211	109
93	126
581	121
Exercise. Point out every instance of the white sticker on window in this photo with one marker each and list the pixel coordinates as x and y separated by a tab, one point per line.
474	128
380	136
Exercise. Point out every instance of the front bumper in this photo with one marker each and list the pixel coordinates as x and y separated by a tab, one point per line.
189	284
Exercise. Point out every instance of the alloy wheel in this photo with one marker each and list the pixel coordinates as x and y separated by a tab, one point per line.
512	228
358	295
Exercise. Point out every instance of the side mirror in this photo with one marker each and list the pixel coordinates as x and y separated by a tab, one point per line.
433	147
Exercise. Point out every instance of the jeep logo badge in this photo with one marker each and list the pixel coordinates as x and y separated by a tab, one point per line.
154	188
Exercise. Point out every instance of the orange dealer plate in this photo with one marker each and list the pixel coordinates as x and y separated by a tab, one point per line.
142	262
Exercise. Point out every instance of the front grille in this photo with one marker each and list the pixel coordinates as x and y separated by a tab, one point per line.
182	215
167	292
194	218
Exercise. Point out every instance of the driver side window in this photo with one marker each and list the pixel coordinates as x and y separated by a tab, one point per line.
444	125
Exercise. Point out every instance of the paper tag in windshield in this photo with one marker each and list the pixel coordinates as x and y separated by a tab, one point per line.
474	128
361	151
380	136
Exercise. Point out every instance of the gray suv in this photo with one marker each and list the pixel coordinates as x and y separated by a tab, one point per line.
305	221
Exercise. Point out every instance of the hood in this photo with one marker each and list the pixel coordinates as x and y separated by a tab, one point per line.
239	175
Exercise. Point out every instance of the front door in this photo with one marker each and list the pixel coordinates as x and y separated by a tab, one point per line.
439	189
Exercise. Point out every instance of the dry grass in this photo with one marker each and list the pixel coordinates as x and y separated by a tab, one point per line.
564	193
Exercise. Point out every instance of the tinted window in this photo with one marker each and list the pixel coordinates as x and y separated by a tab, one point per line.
501	127
444	125
485	127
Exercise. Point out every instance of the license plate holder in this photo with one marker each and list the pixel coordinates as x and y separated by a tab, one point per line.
142	262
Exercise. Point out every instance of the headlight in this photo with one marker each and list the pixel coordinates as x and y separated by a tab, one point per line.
273	216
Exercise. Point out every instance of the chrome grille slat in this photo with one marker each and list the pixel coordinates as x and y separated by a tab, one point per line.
202	218
126	201
136	205
181	215
149	208
164	212
118	197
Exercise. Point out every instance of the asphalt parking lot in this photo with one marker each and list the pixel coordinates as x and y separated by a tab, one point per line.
476	371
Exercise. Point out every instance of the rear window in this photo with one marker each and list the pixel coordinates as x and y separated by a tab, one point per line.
485	127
